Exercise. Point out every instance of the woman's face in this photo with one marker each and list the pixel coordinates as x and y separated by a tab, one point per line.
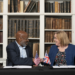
57	42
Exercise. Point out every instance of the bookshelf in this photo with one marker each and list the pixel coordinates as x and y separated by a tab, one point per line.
41	15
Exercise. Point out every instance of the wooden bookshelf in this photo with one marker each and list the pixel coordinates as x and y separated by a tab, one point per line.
41	16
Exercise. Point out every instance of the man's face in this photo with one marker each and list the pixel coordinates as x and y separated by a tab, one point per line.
24	40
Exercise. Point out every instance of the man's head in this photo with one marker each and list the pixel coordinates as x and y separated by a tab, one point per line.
22	38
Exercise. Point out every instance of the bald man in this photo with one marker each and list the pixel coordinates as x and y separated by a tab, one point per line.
18	52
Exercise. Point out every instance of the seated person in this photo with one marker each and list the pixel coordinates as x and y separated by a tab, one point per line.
18	52
62	53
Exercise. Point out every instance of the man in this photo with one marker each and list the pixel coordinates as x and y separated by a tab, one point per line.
18	52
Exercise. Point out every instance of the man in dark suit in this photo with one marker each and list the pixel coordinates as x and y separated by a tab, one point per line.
18	52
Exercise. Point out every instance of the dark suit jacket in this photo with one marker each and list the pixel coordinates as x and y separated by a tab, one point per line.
13	55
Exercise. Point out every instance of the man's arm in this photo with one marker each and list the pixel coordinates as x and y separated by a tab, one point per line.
15	59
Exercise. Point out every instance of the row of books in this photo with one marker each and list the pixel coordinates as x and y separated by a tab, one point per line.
32	27
50	34
23	6
33	45
1	23
1	37
1	51
58	23
1	6
58	7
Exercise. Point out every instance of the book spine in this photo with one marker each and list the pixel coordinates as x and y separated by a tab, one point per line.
35	30
1	37
8	5
21	6
24	25
27	26
32	7
1	23
12	5
53	7
56	7
9	28
36	6
20	24
46	6
0	51
38	28
68	6
45	36
13	28
30	28
0	6
18	5
27	6
15	5
64	6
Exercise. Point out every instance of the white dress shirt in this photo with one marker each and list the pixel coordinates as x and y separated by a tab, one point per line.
23	53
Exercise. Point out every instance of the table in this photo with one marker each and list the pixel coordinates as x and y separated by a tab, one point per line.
38	71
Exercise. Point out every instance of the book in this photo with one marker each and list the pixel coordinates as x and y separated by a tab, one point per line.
35	29
15	5
9	28
21	6
1	6
64	6
56	7
8	5
30	28
27	6
13	28
24	24
38	28
32	7
18	5
1	51
1	37
1	23
27	26
35	48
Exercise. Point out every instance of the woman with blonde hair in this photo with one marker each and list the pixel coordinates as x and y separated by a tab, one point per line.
62	53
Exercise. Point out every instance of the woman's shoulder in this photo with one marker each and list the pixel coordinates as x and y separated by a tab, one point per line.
71	45
53	46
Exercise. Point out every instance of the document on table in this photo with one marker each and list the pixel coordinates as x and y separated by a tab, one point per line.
71	66
17	66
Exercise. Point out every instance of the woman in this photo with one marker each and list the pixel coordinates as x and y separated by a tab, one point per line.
62	53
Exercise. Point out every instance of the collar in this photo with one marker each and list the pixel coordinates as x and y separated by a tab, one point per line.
19	45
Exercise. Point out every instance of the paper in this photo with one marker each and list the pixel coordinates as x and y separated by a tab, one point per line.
17	67
64	66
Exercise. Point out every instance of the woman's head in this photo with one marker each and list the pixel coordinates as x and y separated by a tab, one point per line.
61	38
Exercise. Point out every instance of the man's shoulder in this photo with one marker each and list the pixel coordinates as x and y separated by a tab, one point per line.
11	45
